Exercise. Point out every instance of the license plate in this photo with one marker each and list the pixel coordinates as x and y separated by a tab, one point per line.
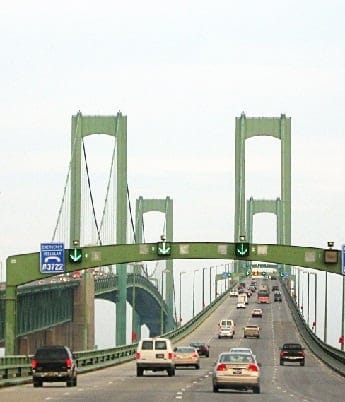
160	356
237	371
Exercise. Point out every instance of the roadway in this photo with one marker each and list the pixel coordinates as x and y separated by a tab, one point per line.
312	383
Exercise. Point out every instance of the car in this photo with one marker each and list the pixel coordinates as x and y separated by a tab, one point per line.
277	296
202	348
233	293
292	352
54	363
252	331
241	305
186	356
257	312
155	354
226	328
236	371
275	287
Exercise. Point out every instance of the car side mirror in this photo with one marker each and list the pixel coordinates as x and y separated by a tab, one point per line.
259	364
175	349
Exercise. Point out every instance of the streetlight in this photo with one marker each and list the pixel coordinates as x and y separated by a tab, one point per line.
203	287
165	271
196	270
181	273
210	284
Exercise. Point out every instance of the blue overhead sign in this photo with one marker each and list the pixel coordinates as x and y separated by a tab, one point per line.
52	258
343	259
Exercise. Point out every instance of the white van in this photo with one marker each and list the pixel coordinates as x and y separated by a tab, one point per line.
155	354
226	328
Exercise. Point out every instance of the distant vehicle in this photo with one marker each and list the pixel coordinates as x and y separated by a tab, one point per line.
233	293
202	348
186	356
54	363
292	352
251	331
257	312
236	371
242	298
155	354
275	287
263	294
277	296
226	328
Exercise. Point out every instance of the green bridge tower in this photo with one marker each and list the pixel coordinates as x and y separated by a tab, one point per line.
115	126
166	207
279	128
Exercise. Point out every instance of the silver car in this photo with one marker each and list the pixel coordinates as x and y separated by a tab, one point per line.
236	371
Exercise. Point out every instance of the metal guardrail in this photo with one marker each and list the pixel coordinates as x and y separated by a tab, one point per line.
333	357
17	369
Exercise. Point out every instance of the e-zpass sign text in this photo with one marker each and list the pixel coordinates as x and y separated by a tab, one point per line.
52	258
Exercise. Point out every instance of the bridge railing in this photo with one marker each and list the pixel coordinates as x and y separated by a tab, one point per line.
17	369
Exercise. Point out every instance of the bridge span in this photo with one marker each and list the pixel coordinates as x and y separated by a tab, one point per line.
315	382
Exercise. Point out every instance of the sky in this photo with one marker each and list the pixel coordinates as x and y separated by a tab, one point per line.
181	72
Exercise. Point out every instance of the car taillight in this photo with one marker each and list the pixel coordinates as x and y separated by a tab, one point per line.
171	356
282	353
195	355
253	367
34	363
302	354
68	363
137	355
221	367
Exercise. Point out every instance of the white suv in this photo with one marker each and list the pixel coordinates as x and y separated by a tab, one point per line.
155	354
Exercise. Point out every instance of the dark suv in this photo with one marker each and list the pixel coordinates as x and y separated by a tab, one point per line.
54	363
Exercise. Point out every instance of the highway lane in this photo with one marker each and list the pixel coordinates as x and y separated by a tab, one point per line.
314	382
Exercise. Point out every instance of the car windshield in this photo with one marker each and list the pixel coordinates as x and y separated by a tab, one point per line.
236	358
241	350
184	349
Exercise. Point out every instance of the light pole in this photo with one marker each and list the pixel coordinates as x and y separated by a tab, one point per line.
181	273
211	285
196	270
165	271
203	287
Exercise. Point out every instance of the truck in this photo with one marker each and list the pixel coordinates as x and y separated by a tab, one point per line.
263	294
242	300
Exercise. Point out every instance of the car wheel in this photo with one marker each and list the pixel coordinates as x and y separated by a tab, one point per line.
75	381
140	372
207	354
69	382
197	366
258	336
37	383
256	390
301	363
215	388
245	336
281	363
171	372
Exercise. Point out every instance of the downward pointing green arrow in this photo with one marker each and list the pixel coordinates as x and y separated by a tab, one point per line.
76	256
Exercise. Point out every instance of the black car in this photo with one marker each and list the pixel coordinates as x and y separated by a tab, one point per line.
275	287
202	348
54	363
277	297
292	353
